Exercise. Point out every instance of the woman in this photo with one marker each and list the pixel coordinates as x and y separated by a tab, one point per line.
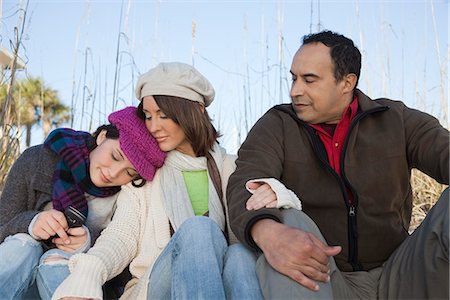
161	230
53	184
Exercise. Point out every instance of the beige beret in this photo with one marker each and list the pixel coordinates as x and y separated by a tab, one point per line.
175	79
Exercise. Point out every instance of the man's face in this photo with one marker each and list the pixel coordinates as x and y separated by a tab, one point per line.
316	96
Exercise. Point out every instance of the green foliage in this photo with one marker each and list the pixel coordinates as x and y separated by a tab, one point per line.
31	102
34	102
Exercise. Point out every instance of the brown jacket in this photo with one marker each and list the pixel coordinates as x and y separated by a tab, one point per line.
385	140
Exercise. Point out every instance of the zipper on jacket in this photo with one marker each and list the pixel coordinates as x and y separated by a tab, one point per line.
351	211
352	207
352	230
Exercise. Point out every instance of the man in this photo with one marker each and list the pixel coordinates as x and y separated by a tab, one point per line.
348	158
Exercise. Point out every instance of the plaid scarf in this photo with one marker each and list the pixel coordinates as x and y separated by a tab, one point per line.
71	179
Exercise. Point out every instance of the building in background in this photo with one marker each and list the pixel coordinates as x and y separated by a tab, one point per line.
7	61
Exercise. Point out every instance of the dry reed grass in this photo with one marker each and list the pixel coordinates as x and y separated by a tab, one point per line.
426	192
9	125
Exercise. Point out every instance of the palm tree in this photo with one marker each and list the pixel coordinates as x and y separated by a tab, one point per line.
55	113
34	103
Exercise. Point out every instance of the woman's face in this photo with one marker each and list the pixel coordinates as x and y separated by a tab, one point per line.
108	164
167	133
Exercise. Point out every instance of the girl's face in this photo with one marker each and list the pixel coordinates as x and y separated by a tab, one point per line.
108	164
167	133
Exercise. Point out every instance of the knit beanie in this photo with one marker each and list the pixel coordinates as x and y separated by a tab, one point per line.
175	79
136	142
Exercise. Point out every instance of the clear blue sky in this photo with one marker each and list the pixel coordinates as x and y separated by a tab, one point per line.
404	45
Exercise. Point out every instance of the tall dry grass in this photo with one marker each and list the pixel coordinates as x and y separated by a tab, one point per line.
425	189
9	123
426	192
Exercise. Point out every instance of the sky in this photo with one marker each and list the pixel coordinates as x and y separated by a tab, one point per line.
92	52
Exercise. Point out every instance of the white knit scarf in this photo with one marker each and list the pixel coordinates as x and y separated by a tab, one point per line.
174	193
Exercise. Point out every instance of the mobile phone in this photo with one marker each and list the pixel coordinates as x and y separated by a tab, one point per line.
74	217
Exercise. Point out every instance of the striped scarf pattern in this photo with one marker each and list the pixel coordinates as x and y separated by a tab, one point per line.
71	178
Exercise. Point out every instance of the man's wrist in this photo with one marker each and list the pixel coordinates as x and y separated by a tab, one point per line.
248	228
261	229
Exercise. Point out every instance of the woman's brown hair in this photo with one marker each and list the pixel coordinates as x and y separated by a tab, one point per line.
193	119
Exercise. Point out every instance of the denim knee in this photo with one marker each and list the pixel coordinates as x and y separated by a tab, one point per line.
52	270
60	255
21	245
198	222
200	233
20	255
198	227
24	238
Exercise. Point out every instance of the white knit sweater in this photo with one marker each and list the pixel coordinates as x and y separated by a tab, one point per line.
137	234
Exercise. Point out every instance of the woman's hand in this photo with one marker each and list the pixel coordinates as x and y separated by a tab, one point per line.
77	237
263	196
49	223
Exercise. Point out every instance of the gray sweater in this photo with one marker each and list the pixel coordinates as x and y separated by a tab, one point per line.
27	190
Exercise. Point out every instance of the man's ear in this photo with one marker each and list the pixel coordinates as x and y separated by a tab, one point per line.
101	137
349	83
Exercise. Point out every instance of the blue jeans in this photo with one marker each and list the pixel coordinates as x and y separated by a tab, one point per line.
50	275
22	263
198	264
19	258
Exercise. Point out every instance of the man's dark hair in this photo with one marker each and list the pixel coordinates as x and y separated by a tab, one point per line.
344	53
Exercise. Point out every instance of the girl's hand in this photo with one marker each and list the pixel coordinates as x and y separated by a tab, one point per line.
49	223
77	237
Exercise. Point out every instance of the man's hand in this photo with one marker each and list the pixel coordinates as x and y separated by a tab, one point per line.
295	253
263	196
77	237
49	223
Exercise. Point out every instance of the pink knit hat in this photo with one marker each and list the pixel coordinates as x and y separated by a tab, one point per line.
137	143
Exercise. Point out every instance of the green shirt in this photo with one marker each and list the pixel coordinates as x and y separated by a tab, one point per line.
197	188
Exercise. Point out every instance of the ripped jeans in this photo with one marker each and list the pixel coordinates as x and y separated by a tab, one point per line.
22	263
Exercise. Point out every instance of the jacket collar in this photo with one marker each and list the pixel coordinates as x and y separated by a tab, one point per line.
366	103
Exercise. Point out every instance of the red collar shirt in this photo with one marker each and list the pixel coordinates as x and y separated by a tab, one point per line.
333	135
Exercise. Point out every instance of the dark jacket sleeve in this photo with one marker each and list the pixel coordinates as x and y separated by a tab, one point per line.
260	156
19	201
428	144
